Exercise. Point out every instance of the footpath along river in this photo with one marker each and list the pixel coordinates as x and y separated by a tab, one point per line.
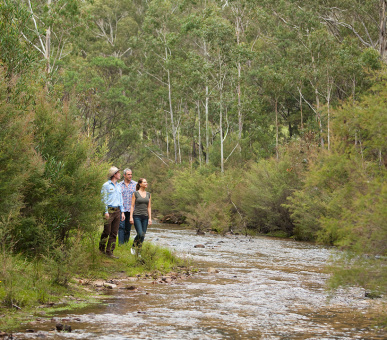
264	288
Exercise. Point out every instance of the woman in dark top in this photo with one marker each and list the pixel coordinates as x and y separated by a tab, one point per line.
140	213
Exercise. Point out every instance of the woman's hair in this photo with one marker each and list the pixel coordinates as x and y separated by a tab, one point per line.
138	183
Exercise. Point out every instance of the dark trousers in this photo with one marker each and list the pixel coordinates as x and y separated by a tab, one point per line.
109	235
124	230
141	225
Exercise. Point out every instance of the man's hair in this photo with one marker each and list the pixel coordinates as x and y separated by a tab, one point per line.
126	170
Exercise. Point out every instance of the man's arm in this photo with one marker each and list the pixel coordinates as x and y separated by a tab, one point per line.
104	200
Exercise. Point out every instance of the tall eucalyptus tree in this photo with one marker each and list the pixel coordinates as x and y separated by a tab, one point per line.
51	29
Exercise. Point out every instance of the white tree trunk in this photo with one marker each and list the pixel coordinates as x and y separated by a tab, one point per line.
207	132
199	134
382	30
221	135
276	129
171	112
48	43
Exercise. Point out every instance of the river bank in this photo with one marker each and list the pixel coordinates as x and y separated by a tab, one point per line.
246	287
30	290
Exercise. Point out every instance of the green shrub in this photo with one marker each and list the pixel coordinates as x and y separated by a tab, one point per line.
201	198
263	191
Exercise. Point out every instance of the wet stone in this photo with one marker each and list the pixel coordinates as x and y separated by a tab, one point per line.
199	246
212	270
67	328
98	283
61	327
110	285
166	279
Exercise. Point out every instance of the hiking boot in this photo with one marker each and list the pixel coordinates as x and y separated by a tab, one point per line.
112	256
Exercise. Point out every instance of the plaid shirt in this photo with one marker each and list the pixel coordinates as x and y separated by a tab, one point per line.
127	193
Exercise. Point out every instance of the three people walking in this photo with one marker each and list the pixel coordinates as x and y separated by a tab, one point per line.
126	203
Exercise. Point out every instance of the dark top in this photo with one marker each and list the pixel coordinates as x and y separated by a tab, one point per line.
141	204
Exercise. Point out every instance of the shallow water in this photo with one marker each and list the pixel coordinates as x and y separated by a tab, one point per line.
265	288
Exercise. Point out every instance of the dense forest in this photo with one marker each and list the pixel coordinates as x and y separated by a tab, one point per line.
249	116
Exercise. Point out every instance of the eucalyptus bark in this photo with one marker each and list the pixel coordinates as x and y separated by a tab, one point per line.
329	93
206	112
382	29
199	134
48	43
221	135
276	128
171	108
240	121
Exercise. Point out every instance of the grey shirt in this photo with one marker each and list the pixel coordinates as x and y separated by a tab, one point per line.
141	204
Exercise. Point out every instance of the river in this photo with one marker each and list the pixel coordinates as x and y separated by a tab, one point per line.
247	288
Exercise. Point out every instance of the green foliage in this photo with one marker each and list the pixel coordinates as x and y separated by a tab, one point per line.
329	185
15	52
63	193
202	199
264	189
54	171
344	190
15	150
25	283
251	197
156	259
362	227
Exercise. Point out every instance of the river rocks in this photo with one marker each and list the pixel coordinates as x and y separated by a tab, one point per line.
110	285
212	270
98	283
166	279
83	281
65	328
200	232
199	246
115	282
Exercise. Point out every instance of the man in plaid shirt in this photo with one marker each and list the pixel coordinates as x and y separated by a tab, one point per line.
128	187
